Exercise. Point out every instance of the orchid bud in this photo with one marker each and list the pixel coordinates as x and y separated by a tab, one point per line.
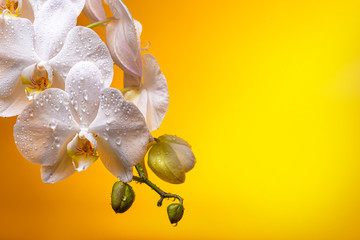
175	212
122	197
170	158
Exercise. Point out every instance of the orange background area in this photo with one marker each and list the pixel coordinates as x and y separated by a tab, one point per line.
268	95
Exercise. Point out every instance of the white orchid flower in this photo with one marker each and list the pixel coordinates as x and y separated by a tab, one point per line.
37	56
64	130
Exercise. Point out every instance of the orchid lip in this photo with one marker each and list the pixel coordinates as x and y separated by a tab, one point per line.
83	150
36	78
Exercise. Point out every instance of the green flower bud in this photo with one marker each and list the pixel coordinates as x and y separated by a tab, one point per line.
122	197
175	212
170	158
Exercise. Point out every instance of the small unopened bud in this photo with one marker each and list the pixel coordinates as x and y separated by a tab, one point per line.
122	197
175	213
170	158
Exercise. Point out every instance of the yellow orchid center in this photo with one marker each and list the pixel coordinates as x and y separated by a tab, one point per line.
85	149
82	152
36	79
10	8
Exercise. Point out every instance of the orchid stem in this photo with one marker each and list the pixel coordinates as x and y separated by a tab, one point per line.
124	90
163	195
95	24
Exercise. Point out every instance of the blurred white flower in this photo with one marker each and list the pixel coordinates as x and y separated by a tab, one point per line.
35	56
64	130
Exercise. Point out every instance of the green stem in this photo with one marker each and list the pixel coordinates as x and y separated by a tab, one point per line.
124	90
163	195
95	24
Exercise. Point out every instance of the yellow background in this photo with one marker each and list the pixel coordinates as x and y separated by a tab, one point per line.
268	95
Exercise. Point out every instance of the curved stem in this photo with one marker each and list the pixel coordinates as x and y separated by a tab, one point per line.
163	195
95	24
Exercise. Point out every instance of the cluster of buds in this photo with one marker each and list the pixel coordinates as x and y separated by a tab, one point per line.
169	157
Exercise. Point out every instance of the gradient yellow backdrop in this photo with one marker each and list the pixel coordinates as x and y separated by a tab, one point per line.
268	95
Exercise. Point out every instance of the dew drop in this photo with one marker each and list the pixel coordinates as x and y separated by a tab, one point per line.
106	137
86	95
52	125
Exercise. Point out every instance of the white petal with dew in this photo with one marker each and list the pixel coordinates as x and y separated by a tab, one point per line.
14	104
53	20
83	44
112	162
121	128
62	169
44	127
84	86
16	52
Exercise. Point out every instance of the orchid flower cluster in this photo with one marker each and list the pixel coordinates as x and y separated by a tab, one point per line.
56	76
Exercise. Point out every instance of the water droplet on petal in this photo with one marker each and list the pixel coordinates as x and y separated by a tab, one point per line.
86	95
52	125
118	141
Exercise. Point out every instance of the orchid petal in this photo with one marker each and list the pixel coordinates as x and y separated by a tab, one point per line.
16	52
44	127
14	104
139	98
122	39
112	162
62	169
131	81
36	4
53	20
138	28
122	134
84	86
157	90
83	44
94	10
